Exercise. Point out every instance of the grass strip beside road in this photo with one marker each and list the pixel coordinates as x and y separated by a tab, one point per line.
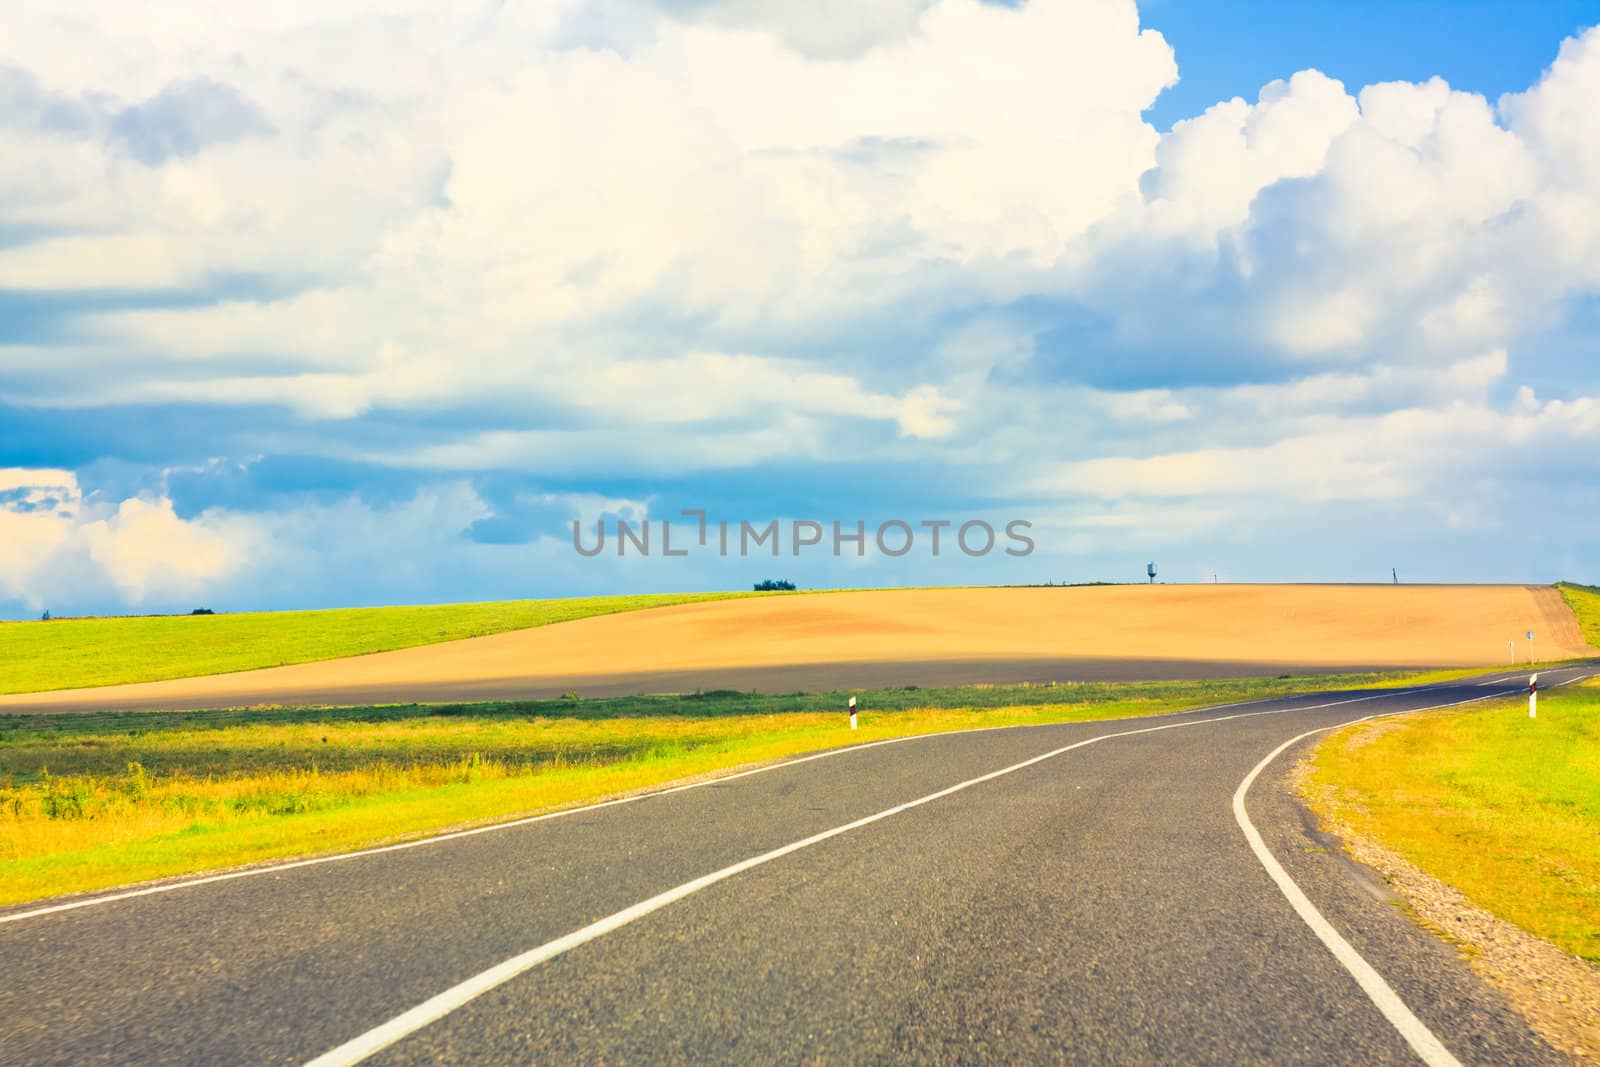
1584	600
80	653
93	801
1504	808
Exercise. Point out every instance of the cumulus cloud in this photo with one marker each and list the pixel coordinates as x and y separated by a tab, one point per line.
1210	168
606	247
714	170
68	550
59	543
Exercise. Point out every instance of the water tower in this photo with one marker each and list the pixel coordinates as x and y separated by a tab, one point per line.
1150	569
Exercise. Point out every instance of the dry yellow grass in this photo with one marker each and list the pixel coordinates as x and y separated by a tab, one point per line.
86	832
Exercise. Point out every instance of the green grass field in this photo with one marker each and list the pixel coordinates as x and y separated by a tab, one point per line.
74	653
1500	806
89	801
1584	600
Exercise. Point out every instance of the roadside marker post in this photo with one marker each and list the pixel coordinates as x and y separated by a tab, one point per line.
1530	647
1533	697
852	713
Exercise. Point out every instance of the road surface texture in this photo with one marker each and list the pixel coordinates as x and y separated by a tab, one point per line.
928	637
1083	892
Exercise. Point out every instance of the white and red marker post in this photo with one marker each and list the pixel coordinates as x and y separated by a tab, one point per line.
1533	697
852	713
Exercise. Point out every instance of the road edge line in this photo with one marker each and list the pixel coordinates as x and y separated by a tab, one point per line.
1423	1041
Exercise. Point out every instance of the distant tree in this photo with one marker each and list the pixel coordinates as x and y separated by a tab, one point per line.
45	617
202	611
774	585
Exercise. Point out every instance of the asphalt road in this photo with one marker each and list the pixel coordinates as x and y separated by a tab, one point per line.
1028	894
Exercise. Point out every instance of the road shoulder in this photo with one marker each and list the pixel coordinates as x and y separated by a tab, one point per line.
1556	993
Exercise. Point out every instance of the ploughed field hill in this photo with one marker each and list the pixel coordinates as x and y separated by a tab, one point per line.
838	640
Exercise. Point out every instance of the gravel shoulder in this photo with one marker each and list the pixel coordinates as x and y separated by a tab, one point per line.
1558	994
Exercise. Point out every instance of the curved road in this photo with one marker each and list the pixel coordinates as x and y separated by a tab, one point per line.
1086	892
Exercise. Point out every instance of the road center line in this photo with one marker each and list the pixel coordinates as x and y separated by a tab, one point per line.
437	1007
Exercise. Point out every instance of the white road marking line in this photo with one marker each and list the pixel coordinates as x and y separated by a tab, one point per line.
437	1007
275	868
1515	678
1416	1033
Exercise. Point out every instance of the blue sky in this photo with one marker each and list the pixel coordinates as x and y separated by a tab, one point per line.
368	304
1230	48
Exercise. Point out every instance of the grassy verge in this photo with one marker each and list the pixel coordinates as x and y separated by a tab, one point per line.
1504	808
1584	600
75	653
99	800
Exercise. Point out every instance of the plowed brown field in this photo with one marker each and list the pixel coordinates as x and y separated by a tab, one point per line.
919	636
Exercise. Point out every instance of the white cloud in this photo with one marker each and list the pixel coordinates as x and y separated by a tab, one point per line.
1210	168
502	229
927	414
1396	454
823	29
713	172
1146	406
662	239
61	543
33	486
145	545
118	261
1404	223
